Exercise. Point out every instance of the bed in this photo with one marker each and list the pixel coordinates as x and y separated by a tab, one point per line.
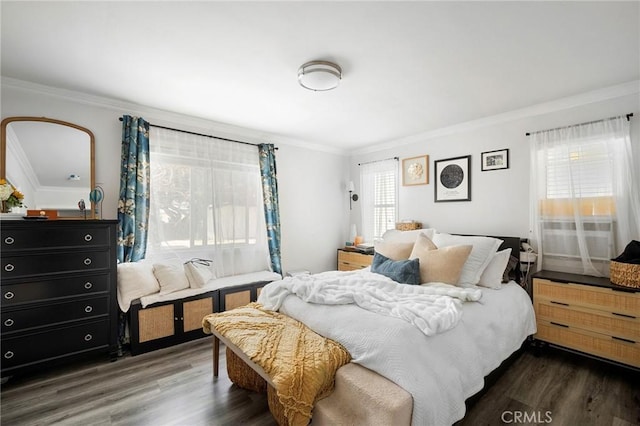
395	359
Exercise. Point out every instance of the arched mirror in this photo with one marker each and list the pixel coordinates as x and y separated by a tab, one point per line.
51	162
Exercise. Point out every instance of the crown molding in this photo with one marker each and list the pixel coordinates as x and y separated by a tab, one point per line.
168	118
599	95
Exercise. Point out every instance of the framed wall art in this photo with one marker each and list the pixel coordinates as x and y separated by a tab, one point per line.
415	170
495	160
453	179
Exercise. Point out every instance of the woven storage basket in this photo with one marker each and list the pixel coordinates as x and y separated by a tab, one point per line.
625	274
408	226
243	375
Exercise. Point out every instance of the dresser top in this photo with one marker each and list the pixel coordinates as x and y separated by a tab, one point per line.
564	277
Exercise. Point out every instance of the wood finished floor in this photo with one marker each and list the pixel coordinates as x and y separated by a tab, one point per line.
175	387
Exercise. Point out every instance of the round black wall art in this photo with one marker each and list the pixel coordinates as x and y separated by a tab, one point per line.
452	176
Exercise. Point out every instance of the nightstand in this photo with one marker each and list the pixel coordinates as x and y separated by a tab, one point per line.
589	315
349	260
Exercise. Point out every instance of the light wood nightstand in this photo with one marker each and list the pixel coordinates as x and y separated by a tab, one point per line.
352	260
589	315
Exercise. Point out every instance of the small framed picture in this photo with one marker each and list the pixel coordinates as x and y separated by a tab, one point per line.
415	170
495	160
453	179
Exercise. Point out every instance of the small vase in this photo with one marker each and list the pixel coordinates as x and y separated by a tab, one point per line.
5	208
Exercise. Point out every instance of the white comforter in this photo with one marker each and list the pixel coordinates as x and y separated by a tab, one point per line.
432	309
440	371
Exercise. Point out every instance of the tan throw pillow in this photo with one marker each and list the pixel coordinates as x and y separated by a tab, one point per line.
393	251
442	265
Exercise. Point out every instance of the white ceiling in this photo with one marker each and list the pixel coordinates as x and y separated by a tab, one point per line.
408	67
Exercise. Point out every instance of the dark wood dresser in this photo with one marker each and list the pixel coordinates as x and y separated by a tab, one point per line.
58	292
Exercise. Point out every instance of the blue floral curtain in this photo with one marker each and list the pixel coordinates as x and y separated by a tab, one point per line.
133	204
271	212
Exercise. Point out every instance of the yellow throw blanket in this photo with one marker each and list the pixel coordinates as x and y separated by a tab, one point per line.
300	363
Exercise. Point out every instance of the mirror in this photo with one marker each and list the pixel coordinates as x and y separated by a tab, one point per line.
51	162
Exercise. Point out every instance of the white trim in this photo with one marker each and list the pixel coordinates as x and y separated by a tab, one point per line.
593	96
168	118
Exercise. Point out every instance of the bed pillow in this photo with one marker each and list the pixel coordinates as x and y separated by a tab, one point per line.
396	236
402	271
481	254
511	266
442	265
393	251
494	272
198	272
171	277
135	279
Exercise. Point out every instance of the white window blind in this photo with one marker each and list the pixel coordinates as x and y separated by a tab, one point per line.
379	194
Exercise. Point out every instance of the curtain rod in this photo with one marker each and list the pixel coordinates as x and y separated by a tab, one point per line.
377	161
581	124
201	134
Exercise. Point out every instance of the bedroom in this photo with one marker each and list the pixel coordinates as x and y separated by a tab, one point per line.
478	87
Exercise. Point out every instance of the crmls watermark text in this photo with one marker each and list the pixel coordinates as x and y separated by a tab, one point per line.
509	417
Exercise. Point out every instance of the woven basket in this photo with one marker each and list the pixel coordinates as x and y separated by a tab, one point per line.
625	274
408	226
243	375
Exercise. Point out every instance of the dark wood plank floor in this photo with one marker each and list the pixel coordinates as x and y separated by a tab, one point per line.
175	387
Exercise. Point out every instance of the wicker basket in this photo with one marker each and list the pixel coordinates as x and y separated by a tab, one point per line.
625	274
408	226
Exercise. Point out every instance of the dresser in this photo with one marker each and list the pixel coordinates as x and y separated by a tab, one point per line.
351	260
58	292
589	315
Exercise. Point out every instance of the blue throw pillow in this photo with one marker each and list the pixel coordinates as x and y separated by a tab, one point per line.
402	271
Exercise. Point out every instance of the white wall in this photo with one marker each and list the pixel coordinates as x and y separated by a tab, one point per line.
499	199
313	204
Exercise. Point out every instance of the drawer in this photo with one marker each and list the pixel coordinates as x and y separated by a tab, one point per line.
53	236
626	303
48	345
53	288
588	319
53	314
55	262
591	343
352	260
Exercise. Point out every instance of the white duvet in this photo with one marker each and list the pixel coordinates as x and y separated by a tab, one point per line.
440	370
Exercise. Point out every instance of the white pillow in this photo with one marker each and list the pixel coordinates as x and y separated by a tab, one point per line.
171	277
198	272
396	236
483	250
135	279
492	275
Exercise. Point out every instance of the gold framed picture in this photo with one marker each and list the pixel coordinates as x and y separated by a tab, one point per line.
415	170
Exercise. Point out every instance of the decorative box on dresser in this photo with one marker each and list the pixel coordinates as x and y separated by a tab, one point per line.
350	260
58	291
589	315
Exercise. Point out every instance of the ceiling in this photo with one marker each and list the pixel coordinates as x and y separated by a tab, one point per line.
408	67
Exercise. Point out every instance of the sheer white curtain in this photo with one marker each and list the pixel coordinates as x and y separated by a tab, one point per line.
206	201
379	196
585	202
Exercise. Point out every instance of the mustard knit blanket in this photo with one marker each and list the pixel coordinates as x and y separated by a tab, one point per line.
300	363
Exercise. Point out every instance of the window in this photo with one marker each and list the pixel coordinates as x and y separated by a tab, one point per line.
582	195
379	194
206	201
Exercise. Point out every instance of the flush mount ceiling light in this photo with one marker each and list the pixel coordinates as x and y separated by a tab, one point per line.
319	75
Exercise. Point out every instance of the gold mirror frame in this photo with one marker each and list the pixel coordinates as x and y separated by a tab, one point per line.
90	214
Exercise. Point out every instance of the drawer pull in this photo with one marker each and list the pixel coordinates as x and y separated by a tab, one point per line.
623	315
559	325
88	309
624	340
559	303
88	237
87	261
9	295
88	337
88	285
9	267
8	322
9	240
8	354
